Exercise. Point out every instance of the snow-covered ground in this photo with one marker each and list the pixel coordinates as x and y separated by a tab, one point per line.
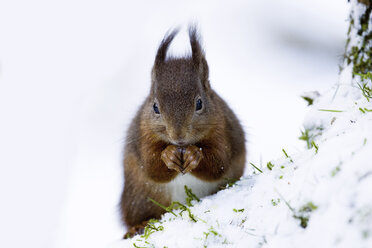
73	73
320	197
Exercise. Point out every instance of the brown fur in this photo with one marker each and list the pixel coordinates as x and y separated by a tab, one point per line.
177	84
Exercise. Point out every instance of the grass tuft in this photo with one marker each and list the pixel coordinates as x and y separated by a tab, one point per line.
335	171
179	206
315	146
285	153
229	183
365	110
308	207
190	196
309	100
151	228
331	110
211	231
270	166
309	134
306	137
303	214
275	202
168	209
255	167
238	210
364	87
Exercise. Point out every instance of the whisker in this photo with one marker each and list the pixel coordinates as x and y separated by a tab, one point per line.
205	125
159	128
136	139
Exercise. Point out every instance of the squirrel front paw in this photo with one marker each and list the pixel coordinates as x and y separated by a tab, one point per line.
172	157
192	157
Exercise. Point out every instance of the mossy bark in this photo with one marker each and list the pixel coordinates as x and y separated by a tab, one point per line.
359	42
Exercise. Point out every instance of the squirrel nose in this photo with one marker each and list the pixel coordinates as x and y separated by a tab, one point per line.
177	136
177	139
180	143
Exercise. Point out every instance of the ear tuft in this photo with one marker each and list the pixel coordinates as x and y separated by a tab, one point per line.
197	51
198	55
163	48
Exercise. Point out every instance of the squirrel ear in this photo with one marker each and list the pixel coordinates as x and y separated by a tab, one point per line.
163	48
198	56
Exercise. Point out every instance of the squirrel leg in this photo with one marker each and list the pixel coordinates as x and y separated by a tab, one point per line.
135	206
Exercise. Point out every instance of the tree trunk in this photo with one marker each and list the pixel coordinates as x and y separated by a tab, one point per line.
358	53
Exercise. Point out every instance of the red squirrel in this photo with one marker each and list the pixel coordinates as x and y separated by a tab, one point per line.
183	134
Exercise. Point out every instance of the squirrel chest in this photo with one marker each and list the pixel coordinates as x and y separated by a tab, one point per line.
201	188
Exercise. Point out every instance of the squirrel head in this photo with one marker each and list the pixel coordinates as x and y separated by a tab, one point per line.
180	108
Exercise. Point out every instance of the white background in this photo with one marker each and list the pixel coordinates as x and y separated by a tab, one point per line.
73	73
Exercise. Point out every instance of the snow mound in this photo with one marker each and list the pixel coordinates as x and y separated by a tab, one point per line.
319	197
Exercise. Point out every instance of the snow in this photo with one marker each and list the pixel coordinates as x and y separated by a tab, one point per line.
73	73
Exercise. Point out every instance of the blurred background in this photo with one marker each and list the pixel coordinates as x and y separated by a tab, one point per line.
73	74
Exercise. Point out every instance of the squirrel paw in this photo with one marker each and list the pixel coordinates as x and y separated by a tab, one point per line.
134	230
192	157
172	157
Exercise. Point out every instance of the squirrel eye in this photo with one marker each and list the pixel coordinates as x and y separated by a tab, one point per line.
156	109
199	104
